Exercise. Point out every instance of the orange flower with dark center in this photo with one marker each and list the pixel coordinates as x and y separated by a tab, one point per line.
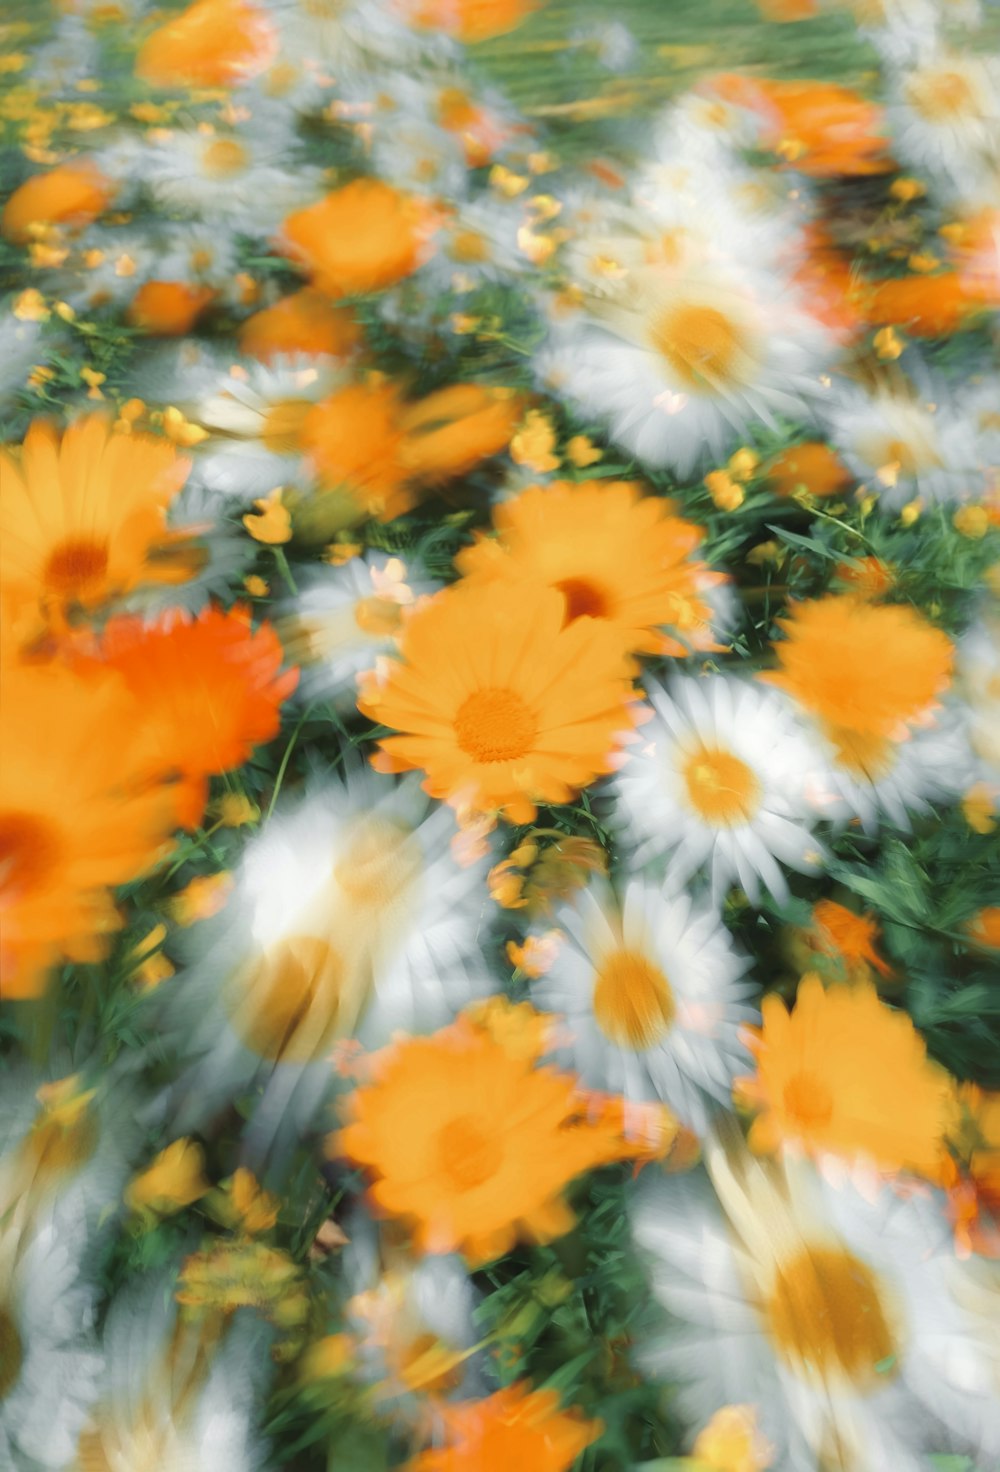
213	43
210	689
71	194
502	703
516	1428
303	322
362	237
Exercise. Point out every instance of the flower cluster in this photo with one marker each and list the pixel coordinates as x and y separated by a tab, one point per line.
499	772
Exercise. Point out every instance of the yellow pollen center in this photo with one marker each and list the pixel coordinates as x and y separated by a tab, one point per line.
808	1101
467	1155
721	788
224	157
286	1004
703	346
633	1000
495	725
283	426
76	568
11	1353
29	850
468	247
584	599
942	95
378	616
827	1318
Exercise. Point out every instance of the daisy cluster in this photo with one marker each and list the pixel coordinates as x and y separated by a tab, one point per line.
499	760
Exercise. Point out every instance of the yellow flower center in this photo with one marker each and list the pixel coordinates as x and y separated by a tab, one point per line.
941	95
468	247
29	850
283	426
862	753
76	568
224	157
633	1000
11	1353
703	346
380	863
378	616
721	788
495	725
583	599
808	1101
827	1317
467	1155
286	1005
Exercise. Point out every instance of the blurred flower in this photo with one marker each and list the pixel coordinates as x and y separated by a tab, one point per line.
361	238
851	937
213	43
70	195
272	524
731	1443
812	466
516	1427
303	323
168	308
469	21
172	1181
227	1276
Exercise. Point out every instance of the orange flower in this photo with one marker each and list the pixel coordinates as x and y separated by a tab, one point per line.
83	519
868	578
304	322
613	554
470	20
821	128
500	702
72	194
355	441
213	43
450	431
826	278
77	816
984	927
813	466
844	1074
866	670
515	1430
923	306
472	1143
209	688
481	134
851	937
360	238
168	308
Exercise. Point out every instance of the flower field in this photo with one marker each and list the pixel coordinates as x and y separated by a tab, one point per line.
499	736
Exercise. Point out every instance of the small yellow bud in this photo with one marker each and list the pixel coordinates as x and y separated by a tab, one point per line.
910	512
923	262
581	452
65	311
971	521
907	190
256	587
234	810
743	464
174	1179
888	344
30	306
979	808
725	493
273	523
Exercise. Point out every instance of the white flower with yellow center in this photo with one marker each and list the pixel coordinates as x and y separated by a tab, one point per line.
847	1321
344	619
946	119
725	779
978	682
49	1363
351	918
682	356
653	998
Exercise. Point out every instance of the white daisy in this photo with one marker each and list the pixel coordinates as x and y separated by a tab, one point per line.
653	997
682	357
345	41
978	682
725	778
844	1320
49	1363
946	116
351	918
343	619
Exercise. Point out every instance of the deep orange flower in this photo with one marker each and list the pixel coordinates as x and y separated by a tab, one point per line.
851	937
450	431
71	194
78	815
303	322
355	441
515	1430
502	703
869	577
209	690
844	1074
361	238
923	306
472	1143
826	278
470	20
820	128
984	927
168	308
213	43
812	465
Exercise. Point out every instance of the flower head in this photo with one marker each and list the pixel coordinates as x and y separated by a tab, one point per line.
516	1427
362	237
213	43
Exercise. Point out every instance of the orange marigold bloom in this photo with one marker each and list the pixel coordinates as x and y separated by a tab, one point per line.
515	1428
850	936
833	1074
78	815
472	1143
83	519
500	702
812	465
470	20
866	670
821	128
360	238
212	43
355	442
168	308
209	688
826	278
984	927
303	322
923	306
71	194
869	577
450	431
612	553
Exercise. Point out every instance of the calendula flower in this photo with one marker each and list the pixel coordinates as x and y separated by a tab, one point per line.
363	237
849	937
70	195
810	467
469	20
820	128
613	554
500	702
830	1075
516	1427
471	1143
213	43
451	431
305	323
168	308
